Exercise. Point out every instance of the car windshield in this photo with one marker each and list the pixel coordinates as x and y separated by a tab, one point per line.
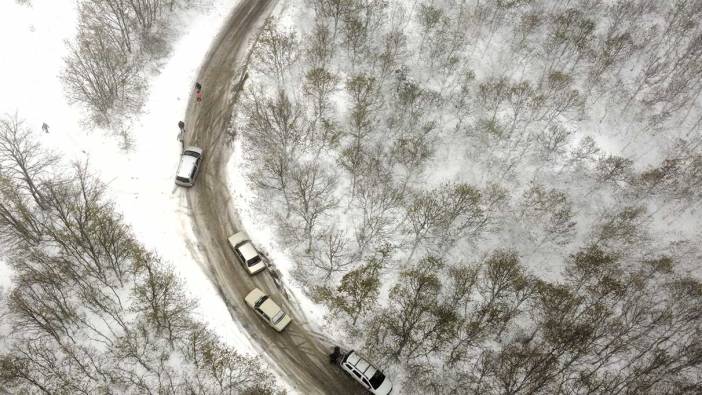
254	260
260	301
278	317
377	379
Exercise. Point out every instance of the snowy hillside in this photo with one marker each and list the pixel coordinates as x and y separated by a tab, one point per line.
487	197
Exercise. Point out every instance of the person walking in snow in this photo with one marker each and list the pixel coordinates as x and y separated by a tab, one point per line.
181	135
45	127
198	87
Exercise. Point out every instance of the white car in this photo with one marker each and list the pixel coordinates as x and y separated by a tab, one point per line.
189	166
266	308
368	375
246	253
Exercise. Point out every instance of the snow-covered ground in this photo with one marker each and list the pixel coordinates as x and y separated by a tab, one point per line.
139	181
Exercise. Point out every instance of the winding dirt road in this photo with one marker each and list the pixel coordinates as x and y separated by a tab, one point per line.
299	354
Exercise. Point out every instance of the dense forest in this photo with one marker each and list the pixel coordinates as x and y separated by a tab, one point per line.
490	196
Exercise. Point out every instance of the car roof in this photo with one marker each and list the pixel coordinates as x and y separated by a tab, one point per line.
237	238
247	250
193	149
254	295
361	364
270	308
185	168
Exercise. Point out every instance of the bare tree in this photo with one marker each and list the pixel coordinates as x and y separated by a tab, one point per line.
320	45
553	141
22	159
276	131
355	36
444	214
570	37
311	194
585	150
503	287
552	209
417	324
622	228
444	36
364	92
319	85
276	51
159	298
356	292
331	254
112	20
379	201
394	52
336	10
99	76
613	169
678	177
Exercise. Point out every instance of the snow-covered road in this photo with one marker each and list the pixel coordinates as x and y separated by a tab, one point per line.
299	353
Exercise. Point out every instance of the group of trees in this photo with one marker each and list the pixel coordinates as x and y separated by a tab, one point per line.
398	142
116	41
299	147
491	327
90	310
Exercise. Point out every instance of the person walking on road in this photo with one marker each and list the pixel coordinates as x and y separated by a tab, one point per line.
198	91
45	127
334	357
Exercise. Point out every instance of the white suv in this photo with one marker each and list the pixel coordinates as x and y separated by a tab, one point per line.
373	379
246	253
188	166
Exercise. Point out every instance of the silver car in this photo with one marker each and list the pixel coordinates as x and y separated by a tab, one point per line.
189	166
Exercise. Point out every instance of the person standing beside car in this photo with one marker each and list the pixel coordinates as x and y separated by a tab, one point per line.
181	134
